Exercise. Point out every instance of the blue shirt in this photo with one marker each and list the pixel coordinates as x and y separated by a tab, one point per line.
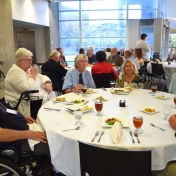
72	79
172	86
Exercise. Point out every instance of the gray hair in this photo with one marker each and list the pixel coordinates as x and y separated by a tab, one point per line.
79	57
21	53
90	48
54	54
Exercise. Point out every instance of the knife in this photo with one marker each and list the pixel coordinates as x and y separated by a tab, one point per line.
52	109
85	102
131	134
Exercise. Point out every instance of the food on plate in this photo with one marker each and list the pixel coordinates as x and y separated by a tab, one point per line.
128	88
86	108
78	101
60	99
150	109
160	96
100	98
111	121
89	90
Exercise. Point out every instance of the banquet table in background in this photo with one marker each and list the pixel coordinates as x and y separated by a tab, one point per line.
64	147
169	70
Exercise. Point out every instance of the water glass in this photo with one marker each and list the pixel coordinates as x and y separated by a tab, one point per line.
78	116
140	85
167	109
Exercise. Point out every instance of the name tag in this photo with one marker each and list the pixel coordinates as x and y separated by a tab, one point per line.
11	111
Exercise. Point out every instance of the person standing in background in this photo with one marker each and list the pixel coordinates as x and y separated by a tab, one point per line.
62	60
144	46
108	53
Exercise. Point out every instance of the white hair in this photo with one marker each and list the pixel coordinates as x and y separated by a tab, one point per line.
21	53
79	57
54	54
90	48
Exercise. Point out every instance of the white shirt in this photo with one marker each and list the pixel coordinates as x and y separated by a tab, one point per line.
145	49
18	81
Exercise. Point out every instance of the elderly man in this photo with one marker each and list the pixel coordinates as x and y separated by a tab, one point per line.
128	55
91	56
121	52
115	58
53	65
144	46
78	76
20	78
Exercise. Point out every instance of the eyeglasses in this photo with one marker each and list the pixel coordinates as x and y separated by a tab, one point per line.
29	60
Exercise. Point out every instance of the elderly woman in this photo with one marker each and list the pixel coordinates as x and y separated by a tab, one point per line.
139	56
20	78
129	75
78	76
102	66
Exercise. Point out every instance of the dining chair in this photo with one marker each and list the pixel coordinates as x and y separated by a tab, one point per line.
103	79
98	161
56	87
158	73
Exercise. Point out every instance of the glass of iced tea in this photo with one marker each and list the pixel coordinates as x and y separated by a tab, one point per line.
112	84
84	89
98	107
169	62
154	89
174	101
137	121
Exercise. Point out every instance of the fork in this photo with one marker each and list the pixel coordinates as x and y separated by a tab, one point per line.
96	134
101	134
156	126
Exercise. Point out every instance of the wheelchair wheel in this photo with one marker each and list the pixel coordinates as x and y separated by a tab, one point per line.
8	168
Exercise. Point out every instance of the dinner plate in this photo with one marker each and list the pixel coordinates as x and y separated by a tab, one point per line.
162	97
54	100
81	101
73	108
102	100
119	91
149	112
124	122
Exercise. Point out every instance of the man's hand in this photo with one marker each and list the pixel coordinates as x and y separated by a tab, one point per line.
77	88
38	136
172	121
63	65
48	87
29	119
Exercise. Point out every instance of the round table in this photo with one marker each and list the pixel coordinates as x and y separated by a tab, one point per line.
64	146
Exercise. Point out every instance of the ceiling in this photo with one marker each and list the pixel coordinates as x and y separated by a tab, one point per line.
22	24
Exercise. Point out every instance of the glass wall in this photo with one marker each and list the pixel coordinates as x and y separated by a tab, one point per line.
99	24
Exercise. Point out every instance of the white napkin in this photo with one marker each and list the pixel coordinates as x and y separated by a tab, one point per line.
47	96
34	127
116	132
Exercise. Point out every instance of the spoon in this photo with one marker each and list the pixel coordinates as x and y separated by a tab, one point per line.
136	135
73	128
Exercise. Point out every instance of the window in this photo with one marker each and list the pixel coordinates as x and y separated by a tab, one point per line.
99	24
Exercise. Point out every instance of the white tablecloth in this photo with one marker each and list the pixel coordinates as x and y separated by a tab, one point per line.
64	147
169	70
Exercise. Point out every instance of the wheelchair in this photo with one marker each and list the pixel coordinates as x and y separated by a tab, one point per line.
14	162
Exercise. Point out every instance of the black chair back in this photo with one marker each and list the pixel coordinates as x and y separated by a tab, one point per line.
157	70
102	162
103	79
53	79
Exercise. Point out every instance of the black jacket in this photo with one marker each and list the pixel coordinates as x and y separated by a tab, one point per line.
56	68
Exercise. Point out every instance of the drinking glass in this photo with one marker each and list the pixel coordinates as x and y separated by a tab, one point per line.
167	109
98	107
78	116
154	89
112	84
174	102
84	90
137	121
140	85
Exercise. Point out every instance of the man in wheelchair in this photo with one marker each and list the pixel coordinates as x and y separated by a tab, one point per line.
12	129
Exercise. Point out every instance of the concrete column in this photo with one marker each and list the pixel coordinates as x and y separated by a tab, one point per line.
7	51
